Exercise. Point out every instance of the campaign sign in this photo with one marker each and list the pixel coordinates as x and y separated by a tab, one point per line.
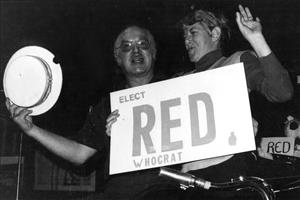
192	117
278	145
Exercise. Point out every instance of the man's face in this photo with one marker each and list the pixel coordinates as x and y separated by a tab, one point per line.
135	57
198	41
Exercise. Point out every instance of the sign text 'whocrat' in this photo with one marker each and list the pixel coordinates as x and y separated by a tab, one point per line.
167	158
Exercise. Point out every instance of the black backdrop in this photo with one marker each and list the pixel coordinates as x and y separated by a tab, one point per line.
81	33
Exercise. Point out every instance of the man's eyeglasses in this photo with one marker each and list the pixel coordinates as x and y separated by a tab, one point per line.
127	46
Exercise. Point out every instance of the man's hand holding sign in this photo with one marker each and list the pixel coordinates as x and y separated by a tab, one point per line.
180	120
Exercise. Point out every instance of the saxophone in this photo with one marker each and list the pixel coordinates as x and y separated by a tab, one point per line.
189	181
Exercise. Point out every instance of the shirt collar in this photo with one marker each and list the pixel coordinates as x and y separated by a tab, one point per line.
207	60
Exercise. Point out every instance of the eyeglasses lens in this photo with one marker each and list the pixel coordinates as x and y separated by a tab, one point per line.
127	46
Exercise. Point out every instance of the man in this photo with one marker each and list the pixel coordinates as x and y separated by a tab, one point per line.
204	35
135	53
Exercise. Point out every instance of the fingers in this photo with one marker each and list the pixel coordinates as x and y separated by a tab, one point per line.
10	106
108	126
110	122
239	20
17	111
7	103
245	13
249	15
238	17
20	114
24	114
112	118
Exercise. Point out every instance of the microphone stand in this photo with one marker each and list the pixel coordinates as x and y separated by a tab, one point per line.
19	166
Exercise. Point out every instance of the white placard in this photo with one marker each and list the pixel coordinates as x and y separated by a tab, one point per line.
193	117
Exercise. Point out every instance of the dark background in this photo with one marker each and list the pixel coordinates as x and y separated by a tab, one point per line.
81	34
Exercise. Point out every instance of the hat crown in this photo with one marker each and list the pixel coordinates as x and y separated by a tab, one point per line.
32	80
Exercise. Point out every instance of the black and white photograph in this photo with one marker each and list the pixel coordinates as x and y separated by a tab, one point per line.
149	99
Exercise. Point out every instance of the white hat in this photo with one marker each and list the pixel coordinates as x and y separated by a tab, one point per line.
32	79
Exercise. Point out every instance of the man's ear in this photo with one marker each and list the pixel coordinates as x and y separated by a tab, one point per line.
216	33
154	55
